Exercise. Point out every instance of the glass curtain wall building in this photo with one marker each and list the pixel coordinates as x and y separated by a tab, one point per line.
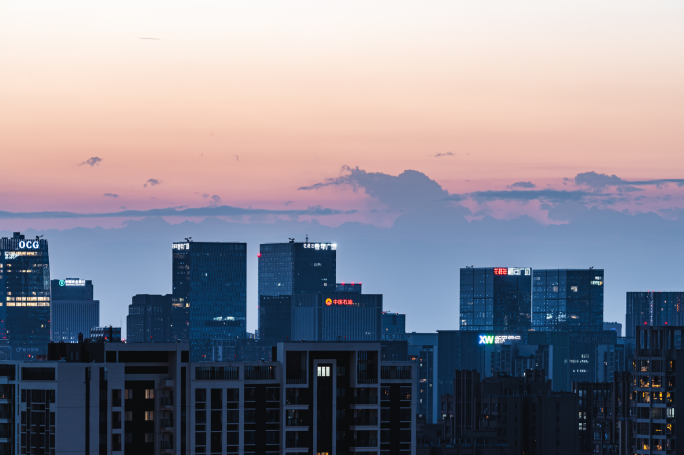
210	279
287	269
567	300
25	292
73	309
654	309
496	298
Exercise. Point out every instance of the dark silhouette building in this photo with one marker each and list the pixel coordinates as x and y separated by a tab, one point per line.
567	300
210	279
604	414
149	319
497	299
25	294
524	413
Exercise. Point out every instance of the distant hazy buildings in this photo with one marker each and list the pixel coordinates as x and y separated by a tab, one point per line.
25	293
496	298
393	326
149	319
615	326
567	300
210	279
73	309
287	269
653	308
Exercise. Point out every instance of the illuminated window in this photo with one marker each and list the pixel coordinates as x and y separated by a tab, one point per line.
324	371
573	288
149	415
149	394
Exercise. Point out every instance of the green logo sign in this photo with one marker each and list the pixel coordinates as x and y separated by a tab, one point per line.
61	282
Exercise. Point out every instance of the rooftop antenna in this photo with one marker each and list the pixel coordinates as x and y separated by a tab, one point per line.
38	237
307	238
291	239
188	239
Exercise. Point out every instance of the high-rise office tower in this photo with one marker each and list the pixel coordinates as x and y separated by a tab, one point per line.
287	269
73	309
653	308
338	316
210	279
496	299
149	319
567	300
25	293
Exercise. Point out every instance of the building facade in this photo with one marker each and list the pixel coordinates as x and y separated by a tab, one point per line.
150	319
210	279
653	308
604	415
345	316
496	298
287	269
654	390
393	326
73	309
24	294
523	413
115	398
423	349
567	300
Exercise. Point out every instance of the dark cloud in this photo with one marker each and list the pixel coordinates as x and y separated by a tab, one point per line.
599	181
524	196
409	189
523	185
110	195
152	182
91	161
439	155
222	210
215	201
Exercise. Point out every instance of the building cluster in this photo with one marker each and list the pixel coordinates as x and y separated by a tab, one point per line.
531	368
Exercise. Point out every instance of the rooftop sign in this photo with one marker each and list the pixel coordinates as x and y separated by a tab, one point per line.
512	271
497	339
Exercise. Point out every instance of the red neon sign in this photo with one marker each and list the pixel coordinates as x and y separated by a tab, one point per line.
329	302
500	271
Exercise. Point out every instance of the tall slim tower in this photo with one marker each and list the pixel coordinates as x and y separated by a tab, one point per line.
25	294
287	269
496	299
210	280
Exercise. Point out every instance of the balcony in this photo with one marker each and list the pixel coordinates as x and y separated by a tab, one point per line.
260	373
296	443
295	401
166	425
297	422
363	400
166	401
361	421
166	445
364	443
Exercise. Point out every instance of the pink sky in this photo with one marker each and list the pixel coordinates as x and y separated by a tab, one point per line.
523	91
